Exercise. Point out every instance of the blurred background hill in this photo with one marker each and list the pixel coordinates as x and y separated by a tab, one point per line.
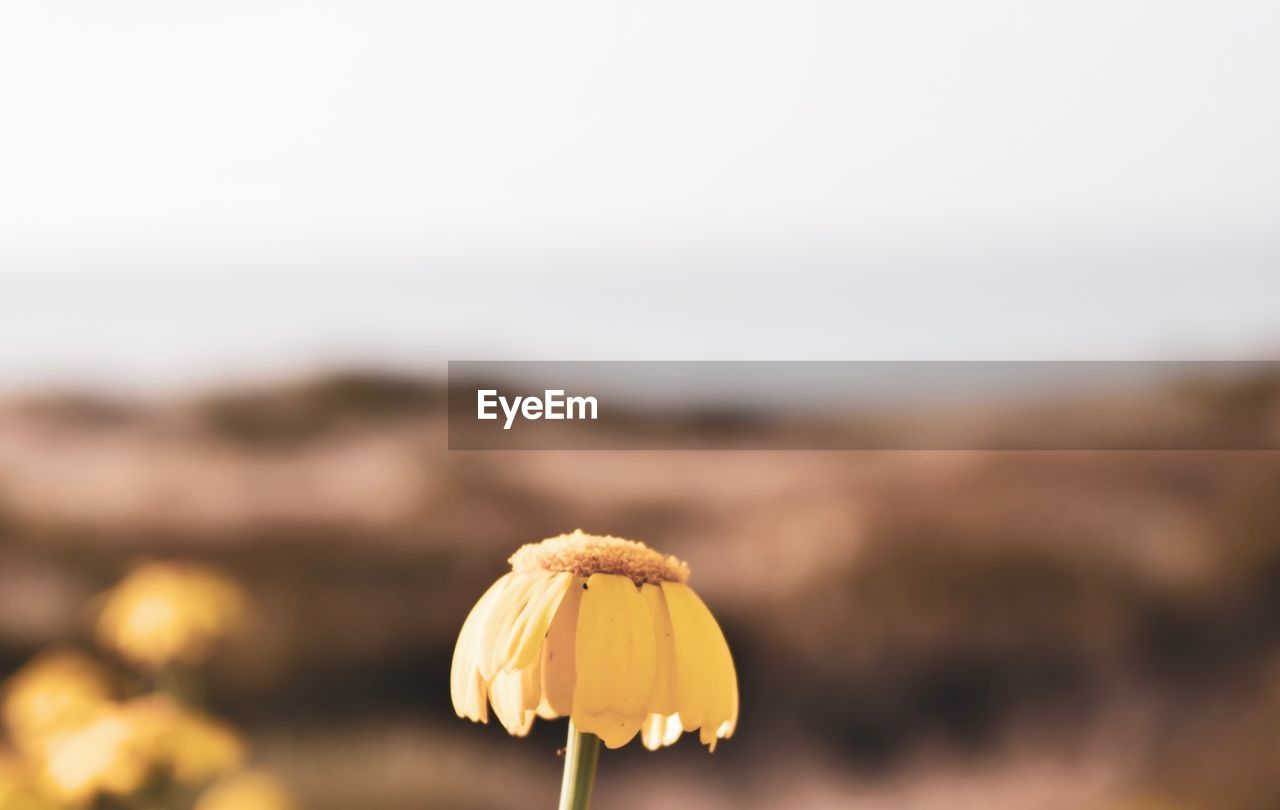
912	629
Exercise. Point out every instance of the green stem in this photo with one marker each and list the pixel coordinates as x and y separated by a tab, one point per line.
580	758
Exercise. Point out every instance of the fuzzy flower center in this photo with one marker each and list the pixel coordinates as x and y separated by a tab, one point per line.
586	554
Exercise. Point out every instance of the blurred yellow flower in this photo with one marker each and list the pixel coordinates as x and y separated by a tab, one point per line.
18	789
117	748
170	612
101	753
604	631
58	687
193	746
250	790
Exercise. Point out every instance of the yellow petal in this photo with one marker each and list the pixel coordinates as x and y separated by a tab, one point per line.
558	665
660	730
465	685
523	643
706	683
508	703
722	711
531	685
692	675
614	653
513	599
545	711
663	699
516	696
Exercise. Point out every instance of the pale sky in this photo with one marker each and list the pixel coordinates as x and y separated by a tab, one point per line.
193	190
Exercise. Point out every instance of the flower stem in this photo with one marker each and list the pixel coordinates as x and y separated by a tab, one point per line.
580	758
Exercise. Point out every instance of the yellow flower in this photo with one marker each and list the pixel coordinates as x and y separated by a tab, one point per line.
251	790
117	747
193	746
604	631
98	754
167	612
58	687
17	786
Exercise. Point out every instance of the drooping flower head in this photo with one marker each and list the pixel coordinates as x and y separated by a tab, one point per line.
602	630
164	613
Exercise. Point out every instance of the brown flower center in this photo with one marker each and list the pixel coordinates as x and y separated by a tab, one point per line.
586	554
